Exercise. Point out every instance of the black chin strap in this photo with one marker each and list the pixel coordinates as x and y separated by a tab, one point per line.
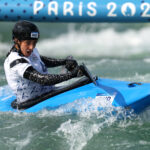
19	51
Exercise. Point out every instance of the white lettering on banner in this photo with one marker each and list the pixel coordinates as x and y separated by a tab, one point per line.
93	13
128	9
38	5
53	7
68	8
146	8
80	8
112	7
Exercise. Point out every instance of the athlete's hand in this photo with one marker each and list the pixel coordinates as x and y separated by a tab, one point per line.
71	63
77	72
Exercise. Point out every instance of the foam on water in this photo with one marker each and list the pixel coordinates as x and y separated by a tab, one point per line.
74	129
94	44
87	126
91	121
102	43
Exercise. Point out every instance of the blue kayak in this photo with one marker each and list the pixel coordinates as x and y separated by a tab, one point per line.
124	94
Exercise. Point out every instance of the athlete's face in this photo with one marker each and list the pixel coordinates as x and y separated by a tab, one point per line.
27	47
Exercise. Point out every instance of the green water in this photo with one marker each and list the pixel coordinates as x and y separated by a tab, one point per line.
117	51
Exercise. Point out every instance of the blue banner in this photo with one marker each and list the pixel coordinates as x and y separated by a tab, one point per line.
75	10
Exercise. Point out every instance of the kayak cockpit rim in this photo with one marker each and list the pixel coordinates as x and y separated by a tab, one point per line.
24	105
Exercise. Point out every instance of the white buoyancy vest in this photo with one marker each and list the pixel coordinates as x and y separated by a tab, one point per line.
25	89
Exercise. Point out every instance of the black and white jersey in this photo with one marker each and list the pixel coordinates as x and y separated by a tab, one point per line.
15	65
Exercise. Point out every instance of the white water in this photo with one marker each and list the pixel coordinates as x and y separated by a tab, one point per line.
106	42
89	129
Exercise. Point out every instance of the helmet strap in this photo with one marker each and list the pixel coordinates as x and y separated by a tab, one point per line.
18	46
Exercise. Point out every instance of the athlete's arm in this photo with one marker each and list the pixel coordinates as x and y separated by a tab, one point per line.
52	62
69	62
47	79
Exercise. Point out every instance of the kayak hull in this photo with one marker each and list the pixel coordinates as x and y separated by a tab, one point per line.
117	93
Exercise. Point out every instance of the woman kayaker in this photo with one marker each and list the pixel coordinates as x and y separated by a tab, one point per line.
26	71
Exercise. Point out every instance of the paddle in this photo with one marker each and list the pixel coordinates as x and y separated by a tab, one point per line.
87	73
83	68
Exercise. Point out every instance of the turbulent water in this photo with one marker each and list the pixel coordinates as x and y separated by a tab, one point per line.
117	51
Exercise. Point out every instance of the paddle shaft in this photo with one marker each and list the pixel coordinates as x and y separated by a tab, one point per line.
88	74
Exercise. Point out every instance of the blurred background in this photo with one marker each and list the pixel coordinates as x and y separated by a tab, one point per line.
117	51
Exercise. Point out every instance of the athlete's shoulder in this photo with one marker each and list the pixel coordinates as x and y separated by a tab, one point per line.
14	59
13	56
10	58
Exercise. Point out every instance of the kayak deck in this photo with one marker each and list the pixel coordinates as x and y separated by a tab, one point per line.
118	93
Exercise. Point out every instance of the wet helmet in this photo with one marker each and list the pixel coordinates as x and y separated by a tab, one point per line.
25	30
